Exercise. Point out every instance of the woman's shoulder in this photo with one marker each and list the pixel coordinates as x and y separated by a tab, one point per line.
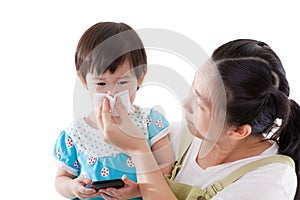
271	173
277	180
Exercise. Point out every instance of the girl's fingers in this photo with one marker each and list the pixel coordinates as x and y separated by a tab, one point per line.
106	197
126	180
112	192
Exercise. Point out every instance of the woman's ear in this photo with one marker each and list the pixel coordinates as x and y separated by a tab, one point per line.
82	80
241	132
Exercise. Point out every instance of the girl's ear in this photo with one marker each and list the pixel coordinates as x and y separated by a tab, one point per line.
241	132
82	80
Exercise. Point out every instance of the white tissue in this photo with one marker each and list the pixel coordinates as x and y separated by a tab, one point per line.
123	95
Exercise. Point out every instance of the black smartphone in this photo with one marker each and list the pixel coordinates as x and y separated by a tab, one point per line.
114	183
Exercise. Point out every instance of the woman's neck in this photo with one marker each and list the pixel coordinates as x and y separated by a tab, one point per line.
232	151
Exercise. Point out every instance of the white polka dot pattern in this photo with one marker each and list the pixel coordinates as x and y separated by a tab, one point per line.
90	141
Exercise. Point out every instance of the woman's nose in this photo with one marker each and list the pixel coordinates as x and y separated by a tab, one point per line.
187	104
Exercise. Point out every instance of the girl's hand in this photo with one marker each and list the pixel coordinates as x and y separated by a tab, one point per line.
79	189
124	133
130	190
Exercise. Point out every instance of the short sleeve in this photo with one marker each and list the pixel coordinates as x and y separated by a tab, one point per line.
157	125
65	154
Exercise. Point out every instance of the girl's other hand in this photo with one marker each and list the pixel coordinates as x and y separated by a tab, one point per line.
130	190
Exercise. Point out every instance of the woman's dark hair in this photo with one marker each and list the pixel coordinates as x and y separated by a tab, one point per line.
257	94
106	46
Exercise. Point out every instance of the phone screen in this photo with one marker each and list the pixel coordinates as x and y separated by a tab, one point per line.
114	183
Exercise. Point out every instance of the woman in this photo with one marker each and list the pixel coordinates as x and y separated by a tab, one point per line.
244	85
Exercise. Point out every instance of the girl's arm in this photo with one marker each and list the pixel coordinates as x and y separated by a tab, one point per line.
129	138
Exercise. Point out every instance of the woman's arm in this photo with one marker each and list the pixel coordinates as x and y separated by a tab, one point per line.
164	155
152	183
130	139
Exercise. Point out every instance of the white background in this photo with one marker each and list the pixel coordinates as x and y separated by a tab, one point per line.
37	46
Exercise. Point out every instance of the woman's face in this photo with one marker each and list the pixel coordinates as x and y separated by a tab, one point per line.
198	107
205	108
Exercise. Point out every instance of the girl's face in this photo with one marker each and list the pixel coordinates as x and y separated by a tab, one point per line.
122	79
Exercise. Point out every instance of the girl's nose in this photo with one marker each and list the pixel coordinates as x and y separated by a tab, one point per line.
111	90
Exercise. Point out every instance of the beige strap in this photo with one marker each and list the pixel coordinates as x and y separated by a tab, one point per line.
185	142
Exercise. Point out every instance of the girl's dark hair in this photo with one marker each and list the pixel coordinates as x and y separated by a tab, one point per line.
257	94
106	45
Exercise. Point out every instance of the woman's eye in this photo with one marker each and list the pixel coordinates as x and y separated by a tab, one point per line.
199	102
122	82
101	83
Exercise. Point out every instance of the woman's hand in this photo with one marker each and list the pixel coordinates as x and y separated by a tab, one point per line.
121	131
130	190
129	138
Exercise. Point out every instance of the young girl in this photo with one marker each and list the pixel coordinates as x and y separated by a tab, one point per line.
110	60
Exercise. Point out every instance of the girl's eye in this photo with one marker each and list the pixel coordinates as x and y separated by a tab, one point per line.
101	83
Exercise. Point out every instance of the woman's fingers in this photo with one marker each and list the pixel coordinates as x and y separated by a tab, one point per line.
105	118
121	109
99	116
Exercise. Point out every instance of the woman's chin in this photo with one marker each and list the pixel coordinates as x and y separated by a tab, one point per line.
194	131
